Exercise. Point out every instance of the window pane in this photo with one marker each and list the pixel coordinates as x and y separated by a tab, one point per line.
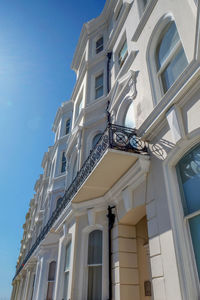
129	118
99	92
189	177
99	81
67	257
167	44
174	69
66	283
94	283
123	53
52	270
99	45
63	168
95	247
80	106
99	86
67	127
195	233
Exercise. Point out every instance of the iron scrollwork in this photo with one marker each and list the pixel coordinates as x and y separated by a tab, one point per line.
114	137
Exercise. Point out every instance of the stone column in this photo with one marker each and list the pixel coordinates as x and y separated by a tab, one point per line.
124	263
41	278
26	285
17	289
20	289
13	290
31	285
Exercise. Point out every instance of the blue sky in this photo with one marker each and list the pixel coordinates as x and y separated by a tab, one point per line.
37	42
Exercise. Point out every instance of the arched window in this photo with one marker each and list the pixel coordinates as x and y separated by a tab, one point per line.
96	139
95	265
51	280
63	163
129	120
170	57
67	126
188	170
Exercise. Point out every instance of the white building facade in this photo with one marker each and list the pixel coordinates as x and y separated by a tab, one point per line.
116	212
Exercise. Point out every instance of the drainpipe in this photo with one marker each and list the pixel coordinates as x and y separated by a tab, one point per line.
109	55
111	221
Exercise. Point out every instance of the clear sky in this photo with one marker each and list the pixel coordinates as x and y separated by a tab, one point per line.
37	42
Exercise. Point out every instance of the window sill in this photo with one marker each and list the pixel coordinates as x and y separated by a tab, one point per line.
143	20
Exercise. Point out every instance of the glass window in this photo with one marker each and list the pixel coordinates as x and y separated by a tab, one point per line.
66	271
96	139
123	53
63	165
188	170
129	120
59	201
99	45
170	57
95	265
67	126
51	279
79	107
99	86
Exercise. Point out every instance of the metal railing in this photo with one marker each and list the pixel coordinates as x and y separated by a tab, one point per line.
114	137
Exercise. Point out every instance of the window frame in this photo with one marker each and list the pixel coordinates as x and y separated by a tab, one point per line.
96	88
121	60
187	216
188	276
67	126
83	276
93	265
99	48
63	163
49	281
173	54
68	247
156	36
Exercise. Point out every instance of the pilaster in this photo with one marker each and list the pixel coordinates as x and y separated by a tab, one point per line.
124	263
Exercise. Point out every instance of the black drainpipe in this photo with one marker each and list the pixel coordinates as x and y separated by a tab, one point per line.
109	55
111	221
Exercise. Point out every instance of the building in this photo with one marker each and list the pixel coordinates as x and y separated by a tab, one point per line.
116	213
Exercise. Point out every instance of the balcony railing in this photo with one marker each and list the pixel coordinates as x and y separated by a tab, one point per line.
114	137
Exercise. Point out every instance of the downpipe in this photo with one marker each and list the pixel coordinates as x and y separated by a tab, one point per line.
111	221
